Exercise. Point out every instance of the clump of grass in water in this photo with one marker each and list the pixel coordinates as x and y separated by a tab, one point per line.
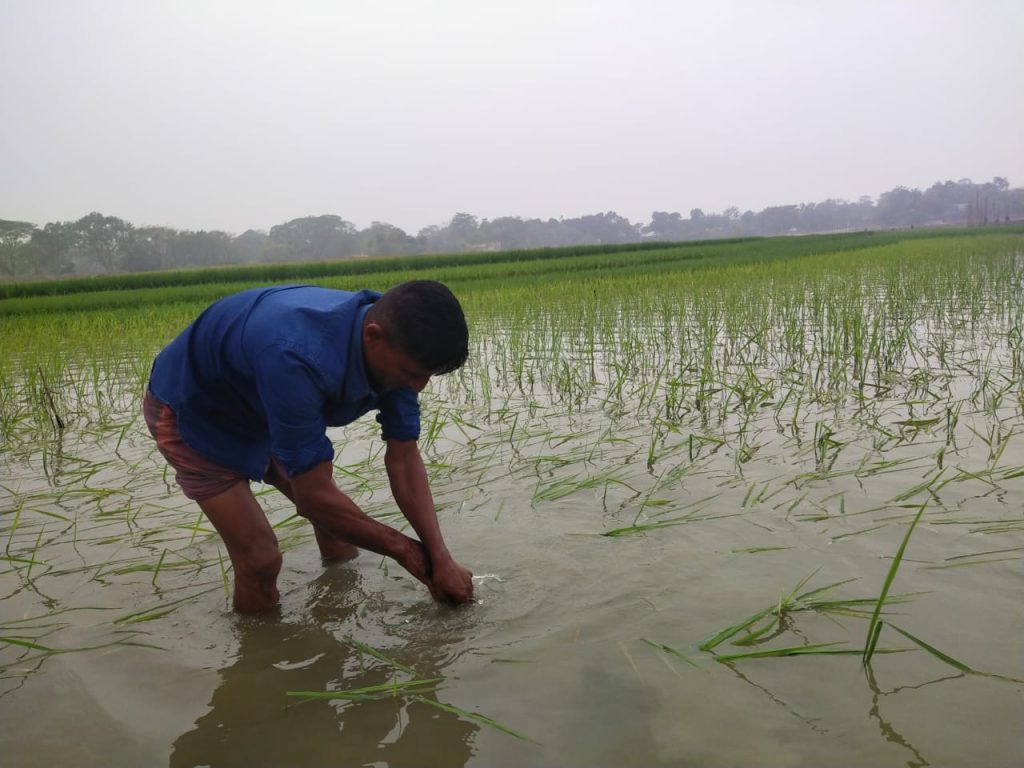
413	688
773	617
28	636
876	624
756	629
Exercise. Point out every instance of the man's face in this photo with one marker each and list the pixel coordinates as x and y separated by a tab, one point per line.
387	365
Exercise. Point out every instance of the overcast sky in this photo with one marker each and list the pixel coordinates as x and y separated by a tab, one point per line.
230	115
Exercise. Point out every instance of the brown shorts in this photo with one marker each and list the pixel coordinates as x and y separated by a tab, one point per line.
198	477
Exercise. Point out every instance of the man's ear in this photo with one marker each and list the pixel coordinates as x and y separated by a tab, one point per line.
374	333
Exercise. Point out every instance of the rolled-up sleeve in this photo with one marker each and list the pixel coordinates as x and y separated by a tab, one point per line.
293	402
399	415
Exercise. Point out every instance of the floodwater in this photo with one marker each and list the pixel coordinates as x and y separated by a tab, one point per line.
568	642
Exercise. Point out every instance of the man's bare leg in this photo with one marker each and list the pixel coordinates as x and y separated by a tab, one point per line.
331	547
251	544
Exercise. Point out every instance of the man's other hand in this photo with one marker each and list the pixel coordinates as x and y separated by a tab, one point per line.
451	583
416	561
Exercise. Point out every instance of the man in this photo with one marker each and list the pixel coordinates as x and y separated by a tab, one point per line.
247	391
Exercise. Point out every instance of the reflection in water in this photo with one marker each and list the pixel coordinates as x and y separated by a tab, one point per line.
52	455
811	722
888	731
252	722
891	734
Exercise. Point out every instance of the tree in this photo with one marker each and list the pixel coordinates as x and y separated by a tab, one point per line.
665	226
202	248
901	207
698	223
1015	204
383	239
604	228
15	237
779	220
149	248
248	246
312	238
462	231
459	234
52	248
104	239
508	232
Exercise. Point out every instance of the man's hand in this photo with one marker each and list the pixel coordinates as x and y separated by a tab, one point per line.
451	583
447	581
415	560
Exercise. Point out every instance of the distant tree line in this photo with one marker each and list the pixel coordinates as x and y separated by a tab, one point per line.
104	244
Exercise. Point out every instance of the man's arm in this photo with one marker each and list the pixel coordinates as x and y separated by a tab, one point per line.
318	499
449	581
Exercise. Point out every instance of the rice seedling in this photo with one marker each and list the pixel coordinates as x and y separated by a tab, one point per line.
875	625
414	688
776	619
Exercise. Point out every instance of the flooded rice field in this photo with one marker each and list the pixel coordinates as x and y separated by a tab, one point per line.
688	518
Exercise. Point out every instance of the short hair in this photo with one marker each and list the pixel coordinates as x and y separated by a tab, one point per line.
425	320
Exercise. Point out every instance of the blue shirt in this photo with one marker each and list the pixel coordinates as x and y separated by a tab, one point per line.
264	372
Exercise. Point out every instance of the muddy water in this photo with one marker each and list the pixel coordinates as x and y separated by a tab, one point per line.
558	647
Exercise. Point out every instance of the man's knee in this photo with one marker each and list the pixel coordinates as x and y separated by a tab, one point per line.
260	561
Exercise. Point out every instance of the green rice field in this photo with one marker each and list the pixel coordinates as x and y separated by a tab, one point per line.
749	502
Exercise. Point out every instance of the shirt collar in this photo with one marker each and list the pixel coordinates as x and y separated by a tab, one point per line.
357	382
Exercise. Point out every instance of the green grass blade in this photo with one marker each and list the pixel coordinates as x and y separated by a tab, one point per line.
21	560
760	632
629	530
735	629
27	644
820	590
935	651
476	718
875	626
799	650
155	613
379	656
370	692
803	582
672	651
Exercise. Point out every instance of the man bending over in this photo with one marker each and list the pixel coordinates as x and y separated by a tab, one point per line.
247	391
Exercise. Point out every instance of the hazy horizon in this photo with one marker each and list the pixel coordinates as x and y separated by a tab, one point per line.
231	116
